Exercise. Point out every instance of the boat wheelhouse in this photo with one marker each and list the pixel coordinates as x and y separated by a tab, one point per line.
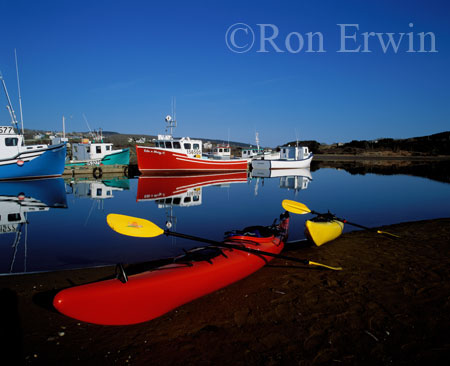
181	155
222	152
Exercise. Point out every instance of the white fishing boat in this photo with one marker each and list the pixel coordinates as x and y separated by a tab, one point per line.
97	152
21	161
291	157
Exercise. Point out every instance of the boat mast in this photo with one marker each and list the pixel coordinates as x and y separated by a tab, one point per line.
9	106
172	120
18	88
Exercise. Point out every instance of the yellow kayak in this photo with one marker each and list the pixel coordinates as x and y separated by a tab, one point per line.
321	231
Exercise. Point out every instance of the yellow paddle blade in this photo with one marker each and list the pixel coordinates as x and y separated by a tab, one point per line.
386	233
133	226
325	266
295	207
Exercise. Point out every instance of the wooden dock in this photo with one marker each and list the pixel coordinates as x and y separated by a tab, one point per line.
96	171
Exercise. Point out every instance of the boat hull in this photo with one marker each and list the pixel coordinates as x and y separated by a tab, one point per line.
321	232
46	162
151	294
153	161
282	164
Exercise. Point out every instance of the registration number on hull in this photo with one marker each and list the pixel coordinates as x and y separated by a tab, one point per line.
6	130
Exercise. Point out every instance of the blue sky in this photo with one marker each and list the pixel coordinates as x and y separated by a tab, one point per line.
120	63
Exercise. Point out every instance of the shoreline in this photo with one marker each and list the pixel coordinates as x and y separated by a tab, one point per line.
390	304
334	157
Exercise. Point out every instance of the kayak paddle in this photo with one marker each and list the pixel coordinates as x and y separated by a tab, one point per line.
301	209
133	226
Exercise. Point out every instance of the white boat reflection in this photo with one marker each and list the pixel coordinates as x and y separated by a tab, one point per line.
98	189
18	199
291	179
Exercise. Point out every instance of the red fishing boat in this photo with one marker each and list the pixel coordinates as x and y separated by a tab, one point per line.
147	295
181	155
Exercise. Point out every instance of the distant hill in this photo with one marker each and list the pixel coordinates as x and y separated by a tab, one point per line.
432	145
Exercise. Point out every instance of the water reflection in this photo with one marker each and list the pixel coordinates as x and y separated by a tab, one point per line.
79	237
20	198
290	179
182	191
438	170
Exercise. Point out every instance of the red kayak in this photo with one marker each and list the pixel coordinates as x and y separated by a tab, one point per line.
150	294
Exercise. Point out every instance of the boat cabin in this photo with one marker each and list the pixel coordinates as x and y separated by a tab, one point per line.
222	151
183	145
13	210
12	143
190	198
294	152
251	153
91	151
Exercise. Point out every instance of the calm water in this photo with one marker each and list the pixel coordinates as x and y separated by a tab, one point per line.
55	224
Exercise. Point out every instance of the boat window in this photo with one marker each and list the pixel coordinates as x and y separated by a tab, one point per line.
227	150
99	191
88	150
196	146
176	145
196	198
108	193
13	217
11	141
98	149
108	148
75	148
176	200
220	150
187	146
168	145
187	199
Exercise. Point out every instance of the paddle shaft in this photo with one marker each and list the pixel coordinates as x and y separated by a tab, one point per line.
235	246
341	220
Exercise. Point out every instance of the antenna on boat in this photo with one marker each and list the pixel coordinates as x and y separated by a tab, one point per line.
257	141
18	88
171	120
90	131
9	107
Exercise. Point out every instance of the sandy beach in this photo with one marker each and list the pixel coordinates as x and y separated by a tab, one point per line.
390	305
